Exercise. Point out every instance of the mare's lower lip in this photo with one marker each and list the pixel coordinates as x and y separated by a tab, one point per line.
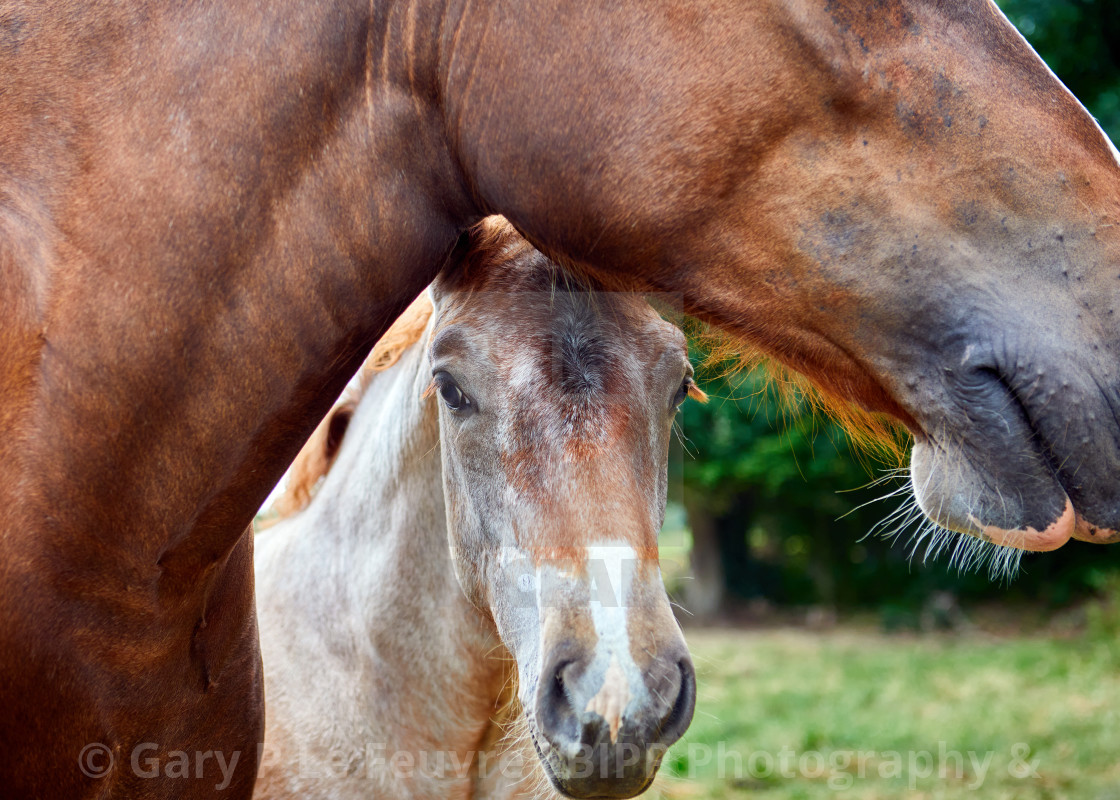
1051	538
1086	532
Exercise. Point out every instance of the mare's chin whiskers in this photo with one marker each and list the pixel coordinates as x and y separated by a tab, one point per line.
887	477
894	493
925	538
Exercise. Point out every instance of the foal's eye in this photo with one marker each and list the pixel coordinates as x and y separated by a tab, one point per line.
682	392
453	397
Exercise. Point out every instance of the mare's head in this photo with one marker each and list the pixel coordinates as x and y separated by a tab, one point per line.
895	198
556	409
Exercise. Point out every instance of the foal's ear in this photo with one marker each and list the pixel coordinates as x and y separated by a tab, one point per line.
314	460
455	266
336	429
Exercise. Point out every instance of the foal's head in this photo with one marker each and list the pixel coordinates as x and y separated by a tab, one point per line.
556	409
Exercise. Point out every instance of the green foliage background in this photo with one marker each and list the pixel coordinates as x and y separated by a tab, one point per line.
773	481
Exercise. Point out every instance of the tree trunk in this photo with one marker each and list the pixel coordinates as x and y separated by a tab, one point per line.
706	590
721	561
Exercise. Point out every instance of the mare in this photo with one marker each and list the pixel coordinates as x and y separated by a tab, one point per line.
210	211
515	455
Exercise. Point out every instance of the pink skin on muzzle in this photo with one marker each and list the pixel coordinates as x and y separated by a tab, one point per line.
1054	536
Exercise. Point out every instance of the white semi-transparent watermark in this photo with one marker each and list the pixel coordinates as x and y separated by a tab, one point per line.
841	769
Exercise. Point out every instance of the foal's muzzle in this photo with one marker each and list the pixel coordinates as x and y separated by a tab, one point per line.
587	754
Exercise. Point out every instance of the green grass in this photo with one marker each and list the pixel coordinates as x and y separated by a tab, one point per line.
844	710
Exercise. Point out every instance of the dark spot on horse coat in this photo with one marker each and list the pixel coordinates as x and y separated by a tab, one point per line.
876	15
14	32
839	230
969	212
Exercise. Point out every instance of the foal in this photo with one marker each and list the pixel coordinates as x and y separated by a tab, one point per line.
387	651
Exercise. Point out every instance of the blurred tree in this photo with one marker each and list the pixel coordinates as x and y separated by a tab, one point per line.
762	503
780	508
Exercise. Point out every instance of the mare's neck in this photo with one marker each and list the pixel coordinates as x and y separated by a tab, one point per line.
209	211
276	163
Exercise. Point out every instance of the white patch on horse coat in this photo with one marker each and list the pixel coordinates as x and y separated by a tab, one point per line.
612	698
611	570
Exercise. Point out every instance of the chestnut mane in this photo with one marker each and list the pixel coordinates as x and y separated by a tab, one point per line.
725	356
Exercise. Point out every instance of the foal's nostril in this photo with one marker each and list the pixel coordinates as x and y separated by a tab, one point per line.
556	716
677	720
602	732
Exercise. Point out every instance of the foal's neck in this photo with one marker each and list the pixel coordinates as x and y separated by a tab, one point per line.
375	581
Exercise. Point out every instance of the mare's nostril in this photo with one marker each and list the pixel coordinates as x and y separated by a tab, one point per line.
679	715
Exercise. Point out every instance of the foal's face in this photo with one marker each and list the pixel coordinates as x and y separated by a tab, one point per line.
556	410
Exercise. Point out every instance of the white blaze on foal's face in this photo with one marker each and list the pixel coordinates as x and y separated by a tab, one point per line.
556	413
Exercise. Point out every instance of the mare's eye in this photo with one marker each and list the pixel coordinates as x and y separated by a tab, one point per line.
451	394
